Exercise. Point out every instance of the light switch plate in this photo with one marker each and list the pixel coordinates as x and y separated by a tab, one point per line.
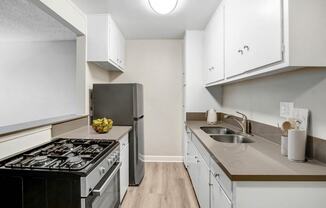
286	109
301	115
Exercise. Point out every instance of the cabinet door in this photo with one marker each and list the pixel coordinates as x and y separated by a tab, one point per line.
203	183
192	163
263	41
122	51
186	149
214	47
253	32
113	42
124	171
218	197
234	32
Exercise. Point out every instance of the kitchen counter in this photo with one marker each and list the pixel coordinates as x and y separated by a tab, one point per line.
87	132
5	130
258	161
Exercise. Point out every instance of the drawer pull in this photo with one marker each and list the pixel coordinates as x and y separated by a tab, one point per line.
216	175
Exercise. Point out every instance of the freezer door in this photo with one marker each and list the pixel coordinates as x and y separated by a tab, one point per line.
116	101
138	105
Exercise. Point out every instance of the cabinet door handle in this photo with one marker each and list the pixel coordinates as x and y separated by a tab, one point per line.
246	47
216	175
240	51
198	161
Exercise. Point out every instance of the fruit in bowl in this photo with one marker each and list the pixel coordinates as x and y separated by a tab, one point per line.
102	125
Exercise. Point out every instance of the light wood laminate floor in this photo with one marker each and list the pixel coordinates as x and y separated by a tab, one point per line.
165	185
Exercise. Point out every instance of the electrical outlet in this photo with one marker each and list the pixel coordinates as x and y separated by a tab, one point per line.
286	109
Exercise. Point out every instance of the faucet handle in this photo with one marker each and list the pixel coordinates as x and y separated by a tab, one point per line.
242	114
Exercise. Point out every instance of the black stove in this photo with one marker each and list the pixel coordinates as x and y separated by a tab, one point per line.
62	154
65	173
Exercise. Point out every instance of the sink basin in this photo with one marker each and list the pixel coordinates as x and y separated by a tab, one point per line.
216	130
232	138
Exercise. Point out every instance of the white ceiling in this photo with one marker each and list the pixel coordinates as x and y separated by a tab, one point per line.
21	20
138	21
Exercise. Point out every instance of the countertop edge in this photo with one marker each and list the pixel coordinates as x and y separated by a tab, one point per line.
86	132
11	129
257	178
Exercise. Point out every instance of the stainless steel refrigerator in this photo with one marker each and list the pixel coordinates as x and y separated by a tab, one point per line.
123	103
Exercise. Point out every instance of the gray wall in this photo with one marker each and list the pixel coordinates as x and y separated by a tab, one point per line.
37	80
157	64
260	98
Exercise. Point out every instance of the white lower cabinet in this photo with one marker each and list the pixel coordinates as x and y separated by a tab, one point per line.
124	170
219	198
199	173
203	182
214	189
186	141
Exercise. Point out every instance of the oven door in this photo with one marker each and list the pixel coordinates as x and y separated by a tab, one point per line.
106	194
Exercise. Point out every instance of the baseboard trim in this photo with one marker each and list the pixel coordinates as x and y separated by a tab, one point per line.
153	158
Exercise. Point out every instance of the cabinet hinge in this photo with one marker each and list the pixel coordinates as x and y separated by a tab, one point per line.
283	49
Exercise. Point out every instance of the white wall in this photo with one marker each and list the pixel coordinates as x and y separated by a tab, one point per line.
157	64
37	80
197	97
260	98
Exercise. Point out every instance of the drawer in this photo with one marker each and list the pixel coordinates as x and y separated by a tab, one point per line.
222	178
124	141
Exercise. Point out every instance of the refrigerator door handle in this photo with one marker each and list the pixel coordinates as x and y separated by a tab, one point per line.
136	119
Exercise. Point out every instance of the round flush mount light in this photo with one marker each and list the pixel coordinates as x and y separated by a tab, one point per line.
163	7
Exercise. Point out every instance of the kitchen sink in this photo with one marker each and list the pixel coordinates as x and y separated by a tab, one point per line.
216	130
231	138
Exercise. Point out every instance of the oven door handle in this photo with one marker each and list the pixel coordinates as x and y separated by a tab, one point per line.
100	191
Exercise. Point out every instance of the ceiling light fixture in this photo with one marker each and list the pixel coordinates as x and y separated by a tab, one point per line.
163	7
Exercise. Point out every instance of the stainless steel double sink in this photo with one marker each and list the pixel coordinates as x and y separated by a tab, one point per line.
225	135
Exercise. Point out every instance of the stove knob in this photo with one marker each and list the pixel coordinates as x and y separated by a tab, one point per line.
110	161
102	170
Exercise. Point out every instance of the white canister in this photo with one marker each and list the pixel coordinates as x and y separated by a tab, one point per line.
284	145
211	117
297	140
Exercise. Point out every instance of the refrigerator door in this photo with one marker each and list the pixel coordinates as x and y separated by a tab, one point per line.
138	105
136	158
123	103
120	102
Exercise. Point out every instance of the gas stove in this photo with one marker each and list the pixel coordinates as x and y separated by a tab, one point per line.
62	154
83	168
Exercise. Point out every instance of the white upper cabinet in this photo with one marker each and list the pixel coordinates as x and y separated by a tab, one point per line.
253	34
214	47
264	37
105	43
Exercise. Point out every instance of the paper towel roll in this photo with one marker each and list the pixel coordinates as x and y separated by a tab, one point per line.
297	145
284	145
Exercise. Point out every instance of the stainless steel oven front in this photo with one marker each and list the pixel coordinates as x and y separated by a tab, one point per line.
106	193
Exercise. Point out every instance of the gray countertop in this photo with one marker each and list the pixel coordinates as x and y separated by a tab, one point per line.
258	161
87	132
5	130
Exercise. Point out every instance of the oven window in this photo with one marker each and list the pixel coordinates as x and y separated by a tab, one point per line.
110	197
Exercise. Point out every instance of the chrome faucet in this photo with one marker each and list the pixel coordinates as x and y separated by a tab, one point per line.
244	123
